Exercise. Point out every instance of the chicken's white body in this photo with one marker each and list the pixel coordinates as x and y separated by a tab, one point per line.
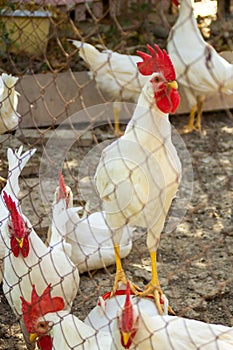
16	163
9	118
201	71
138	175
107	310
41	267
87	240
92	246
115	74
176	333
69	332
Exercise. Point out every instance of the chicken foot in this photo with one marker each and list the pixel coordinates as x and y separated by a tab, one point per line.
121	276
153	287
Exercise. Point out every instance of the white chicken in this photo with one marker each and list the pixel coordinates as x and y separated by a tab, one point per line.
28	261
16	162
200	69
135	329
115	74
138	175
57	329
87	240
9	117
108	308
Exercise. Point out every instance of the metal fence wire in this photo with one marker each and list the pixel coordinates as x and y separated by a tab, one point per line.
116	175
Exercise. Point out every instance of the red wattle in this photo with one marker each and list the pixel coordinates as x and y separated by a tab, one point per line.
45	343
25	247
167	102
15	247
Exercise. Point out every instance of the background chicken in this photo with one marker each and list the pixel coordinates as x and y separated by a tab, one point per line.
9	118
138	175
55	328
200	69
115	74
88	238
135	329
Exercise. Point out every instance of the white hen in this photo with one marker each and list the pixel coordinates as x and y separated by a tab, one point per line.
9	118
28	261
56	329
135	329
87	240
16	162
138	175
115	74
107	309
200	69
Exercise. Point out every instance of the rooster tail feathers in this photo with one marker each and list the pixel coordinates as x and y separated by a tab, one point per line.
9	81
16	162
86	51
17	159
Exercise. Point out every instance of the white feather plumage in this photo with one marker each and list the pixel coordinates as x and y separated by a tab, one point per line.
9	117
116	74
200	69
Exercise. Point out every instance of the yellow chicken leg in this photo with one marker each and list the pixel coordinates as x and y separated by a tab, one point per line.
120	274
200	102
190	126
117	130
153	288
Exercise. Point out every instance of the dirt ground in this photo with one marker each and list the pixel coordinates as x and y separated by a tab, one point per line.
195	260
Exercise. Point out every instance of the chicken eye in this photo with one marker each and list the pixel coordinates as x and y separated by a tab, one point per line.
41	325
156	79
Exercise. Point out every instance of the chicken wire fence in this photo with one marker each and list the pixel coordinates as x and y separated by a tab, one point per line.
69	119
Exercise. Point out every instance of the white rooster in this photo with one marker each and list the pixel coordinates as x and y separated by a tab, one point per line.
108	307
9	117
135	329
16	162
138	175
54	328
87	240
200	69
28	261
116	74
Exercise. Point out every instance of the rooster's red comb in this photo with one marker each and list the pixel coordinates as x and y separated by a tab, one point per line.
16	219
157	61
39	306
127	312
176	2
62	187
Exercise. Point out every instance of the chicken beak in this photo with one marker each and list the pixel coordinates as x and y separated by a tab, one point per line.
125	336
172	84
32	337
20	241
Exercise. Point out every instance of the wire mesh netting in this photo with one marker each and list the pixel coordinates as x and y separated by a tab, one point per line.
77	195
